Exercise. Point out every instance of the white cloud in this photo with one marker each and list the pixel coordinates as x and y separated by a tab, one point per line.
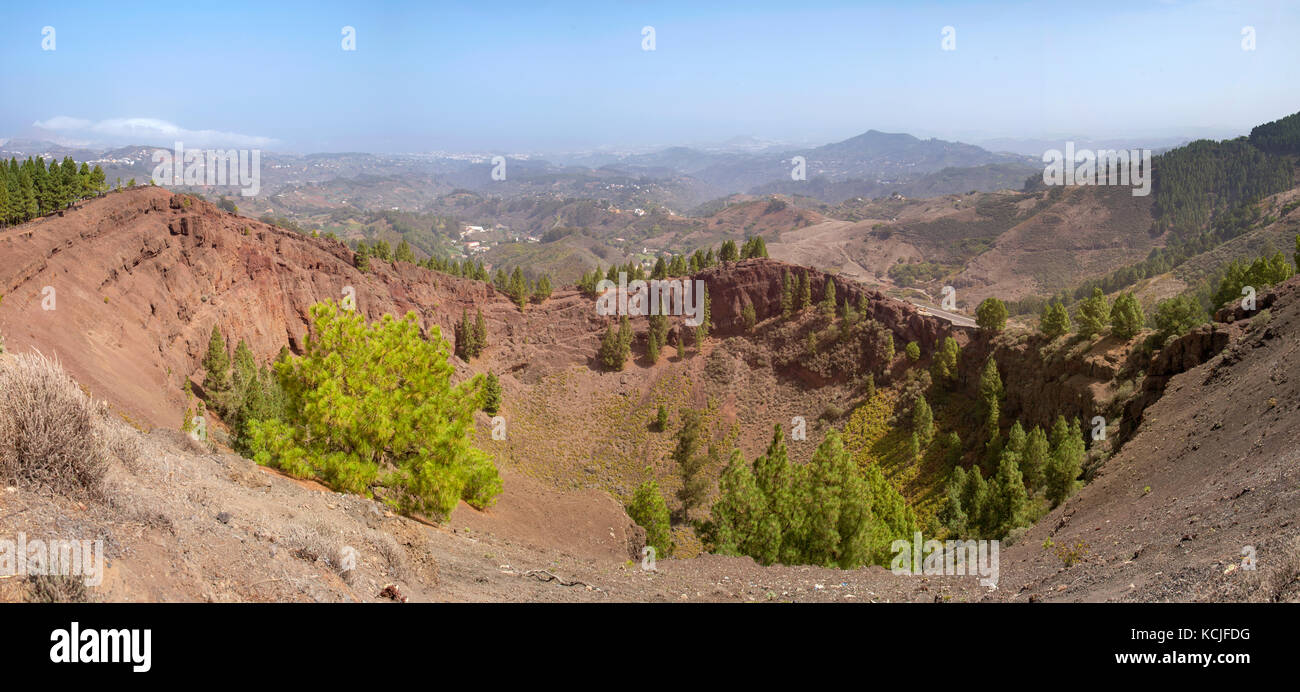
147	131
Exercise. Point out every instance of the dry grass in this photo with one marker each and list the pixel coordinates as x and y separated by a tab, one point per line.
317	541
393	555
55	588
1278	582
52	436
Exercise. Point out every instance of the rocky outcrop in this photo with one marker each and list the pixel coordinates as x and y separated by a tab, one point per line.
1176	357
757	282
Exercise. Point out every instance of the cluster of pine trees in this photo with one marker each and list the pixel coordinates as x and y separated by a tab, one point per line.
1034	470
471	338
1281	136
1094	314
1197	181
1264	271
796	293
1172	316
239	390
616	345
754	246
520	289
29	189
677	265
828	512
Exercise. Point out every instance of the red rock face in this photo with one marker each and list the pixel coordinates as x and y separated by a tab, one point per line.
140	277
758	282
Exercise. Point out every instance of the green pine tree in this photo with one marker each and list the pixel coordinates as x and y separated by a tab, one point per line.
650	512
1126	318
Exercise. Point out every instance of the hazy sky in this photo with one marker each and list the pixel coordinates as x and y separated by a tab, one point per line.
539	76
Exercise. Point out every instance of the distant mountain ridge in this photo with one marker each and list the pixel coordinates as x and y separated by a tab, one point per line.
870	164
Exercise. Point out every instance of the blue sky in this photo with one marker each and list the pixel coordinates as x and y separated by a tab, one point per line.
546	76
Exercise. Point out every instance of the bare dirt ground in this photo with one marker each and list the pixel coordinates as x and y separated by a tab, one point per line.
184	524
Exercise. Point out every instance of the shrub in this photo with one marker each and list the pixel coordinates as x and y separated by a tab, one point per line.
51	433
650	512
913	351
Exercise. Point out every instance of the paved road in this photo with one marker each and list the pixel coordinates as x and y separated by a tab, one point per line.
955	318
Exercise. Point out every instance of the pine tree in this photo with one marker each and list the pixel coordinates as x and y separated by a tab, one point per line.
1016	440
1011	495
652	348
728	253
403	253
975	501
690	462
944	369
1054	321
805	291
1034	460
480	332
650	512
616	345
491	394
466	345
777	537
739	514
610	353
371	408
518	288
661	418
991	315
828	298
1060	477
243	373
748	317
216	366
362	259
839	515
543	289
923	423
953	515
678	266
1094	314
1126	318
990	388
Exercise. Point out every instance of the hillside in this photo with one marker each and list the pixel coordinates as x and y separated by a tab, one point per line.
140	277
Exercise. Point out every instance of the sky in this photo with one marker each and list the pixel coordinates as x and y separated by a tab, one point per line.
542	76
